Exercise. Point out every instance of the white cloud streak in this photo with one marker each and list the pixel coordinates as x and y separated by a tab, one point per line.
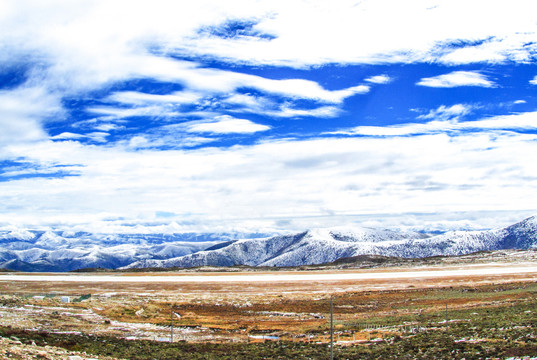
71	48
456	79
139	98
225	125
379	79
447	112
22	111
446	120
267	184
82	45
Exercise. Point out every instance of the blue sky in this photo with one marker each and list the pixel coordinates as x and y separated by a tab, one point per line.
267	116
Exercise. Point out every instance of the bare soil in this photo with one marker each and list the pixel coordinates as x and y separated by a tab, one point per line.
260	311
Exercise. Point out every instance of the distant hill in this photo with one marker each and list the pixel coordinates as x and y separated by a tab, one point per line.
26	250
320	246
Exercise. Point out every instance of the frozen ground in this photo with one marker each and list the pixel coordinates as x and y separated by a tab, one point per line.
468	270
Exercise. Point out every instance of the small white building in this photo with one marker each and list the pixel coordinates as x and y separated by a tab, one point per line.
65	299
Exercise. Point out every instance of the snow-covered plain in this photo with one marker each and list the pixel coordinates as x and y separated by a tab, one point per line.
481	270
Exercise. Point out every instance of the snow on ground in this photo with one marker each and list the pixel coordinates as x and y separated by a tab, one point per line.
280	277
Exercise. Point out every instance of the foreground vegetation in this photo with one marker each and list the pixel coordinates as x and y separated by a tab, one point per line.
489	322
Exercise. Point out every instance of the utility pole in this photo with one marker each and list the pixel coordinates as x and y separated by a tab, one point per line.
171	325
331	329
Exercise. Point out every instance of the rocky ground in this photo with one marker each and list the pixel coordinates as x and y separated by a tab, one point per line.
12	348
238	314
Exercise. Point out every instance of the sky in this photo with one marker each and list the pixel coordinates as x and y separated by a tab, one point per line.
267	116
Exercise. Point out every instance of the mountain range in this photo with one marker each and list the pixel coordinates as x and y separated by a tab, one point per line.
26	250
326	245
49	251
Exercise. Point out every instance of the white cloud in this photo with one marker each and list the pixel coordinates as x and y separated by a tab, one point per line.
217	89
71	48
67	136
23	111
122	112
213	188
534	81
394	35
224	81
108	127
519	102
170	136
448	112
322	112
446	122
74	47
457	78
225	125
139	98
98	136
263	106
82	45
379	79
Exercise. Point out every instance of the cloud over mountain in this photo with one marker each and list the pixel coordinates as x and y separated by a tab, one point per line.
266	115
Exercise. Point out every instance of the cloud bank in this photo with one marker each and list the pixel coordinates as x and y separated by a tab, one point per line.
266	115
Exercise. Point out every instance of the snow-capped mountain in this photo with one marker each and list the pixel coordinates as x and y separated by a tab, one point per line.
326	245
64	251
55	250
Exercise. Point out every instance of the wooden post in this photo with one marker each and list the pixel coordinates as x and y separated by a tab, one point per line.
331	329
171	325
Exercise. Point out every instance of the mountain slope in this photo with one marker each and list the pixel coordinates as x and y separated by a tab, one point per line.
326	245
62	251
55	250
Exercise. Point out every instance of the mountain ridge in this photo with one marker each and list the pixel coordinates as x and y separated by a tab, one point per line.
320	246
56	250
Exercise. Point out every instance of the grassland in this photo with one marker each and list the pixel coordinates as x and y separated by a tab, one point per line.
472	317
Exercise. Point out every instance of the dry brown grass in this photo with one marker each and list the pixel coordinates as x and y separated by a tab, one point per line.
289	309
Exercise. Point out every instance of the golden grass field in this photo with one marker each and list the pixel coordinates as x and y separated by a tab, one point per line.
292	306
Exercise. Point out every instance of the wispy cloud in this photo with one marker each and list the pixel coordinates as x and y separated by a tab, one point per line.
259	71
379	79
139	98
225	125
67	136
23	112
457	78
217	187
446	121
448	112
305	43
285	111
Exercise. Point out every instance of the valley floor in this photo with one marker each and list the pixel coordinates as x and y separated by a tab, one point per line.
482	311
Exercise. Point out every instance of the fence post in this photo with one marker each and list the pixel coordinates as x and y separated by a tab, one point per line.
331	329
171	324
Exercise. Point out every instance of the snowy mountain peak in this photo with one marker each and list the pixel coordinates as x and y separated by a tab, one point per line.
326	245
66	250
23	235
